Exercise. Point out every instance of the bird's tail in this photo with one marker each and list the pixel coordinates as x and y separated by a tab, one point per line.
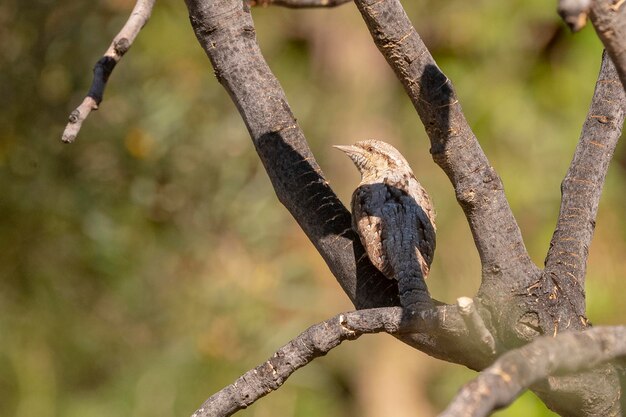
413	292
412	287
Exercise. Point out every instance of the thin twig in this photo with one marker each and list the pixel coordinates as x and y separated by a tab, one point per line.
103	68
298	4
498	385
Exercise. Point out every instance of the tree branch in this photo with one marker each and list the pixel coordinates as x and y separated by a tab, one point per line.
506	266
298	4
226	32
314	342
103	68
454	147
609	19
562	287
498	385
317	341
556	302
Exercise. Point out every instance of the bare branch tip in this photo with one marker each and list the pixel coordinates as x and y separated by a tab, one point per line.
465	304
120	45
476	325
68	138
574	13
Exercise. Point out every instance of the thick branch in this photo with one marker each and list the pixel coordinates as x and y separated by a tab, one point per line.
609	19
498	385
506	266
104	67
556	301
454	147
299	4
563	286
317	341
314	342
226	32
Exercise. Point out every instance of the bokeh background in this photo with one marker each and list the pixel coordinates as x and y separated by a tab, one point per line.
149	264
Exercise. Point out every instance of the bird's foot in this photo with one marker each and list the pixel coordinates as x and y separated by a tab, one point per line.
422	318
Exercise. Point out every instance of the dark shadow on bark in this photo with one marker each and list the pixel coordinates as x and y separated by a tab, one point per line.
437	92
320	206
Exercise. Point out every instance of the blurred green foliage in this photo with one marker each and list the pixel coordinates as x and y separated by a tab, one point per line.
149	264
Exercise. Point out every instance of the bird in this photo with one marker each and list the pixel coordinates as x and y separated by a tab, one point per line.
394	219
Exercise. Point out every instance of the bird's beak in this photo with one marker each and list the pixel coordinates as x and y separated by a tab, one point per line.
348	149
356	154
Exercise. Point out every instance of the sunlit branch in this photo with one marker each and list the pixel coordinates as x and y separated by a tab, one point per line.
566	261
454	146
314	342
103	68
498	385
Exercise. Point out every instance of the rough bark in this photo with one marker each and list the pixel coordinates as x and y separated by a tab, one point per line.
226	32
560	295
506	266
556	302
515	371
314	342
454	146
514	309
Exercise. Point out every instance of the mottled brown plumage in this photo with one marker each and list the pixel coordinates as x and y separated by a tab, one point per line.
394	218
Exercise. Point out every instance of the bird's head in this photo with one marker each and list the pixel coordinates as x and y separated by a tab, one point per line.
374	157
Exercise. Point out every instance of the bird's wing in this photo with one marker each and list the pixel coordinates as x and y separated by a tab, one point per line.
424	220
367	222
426	237
392	223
